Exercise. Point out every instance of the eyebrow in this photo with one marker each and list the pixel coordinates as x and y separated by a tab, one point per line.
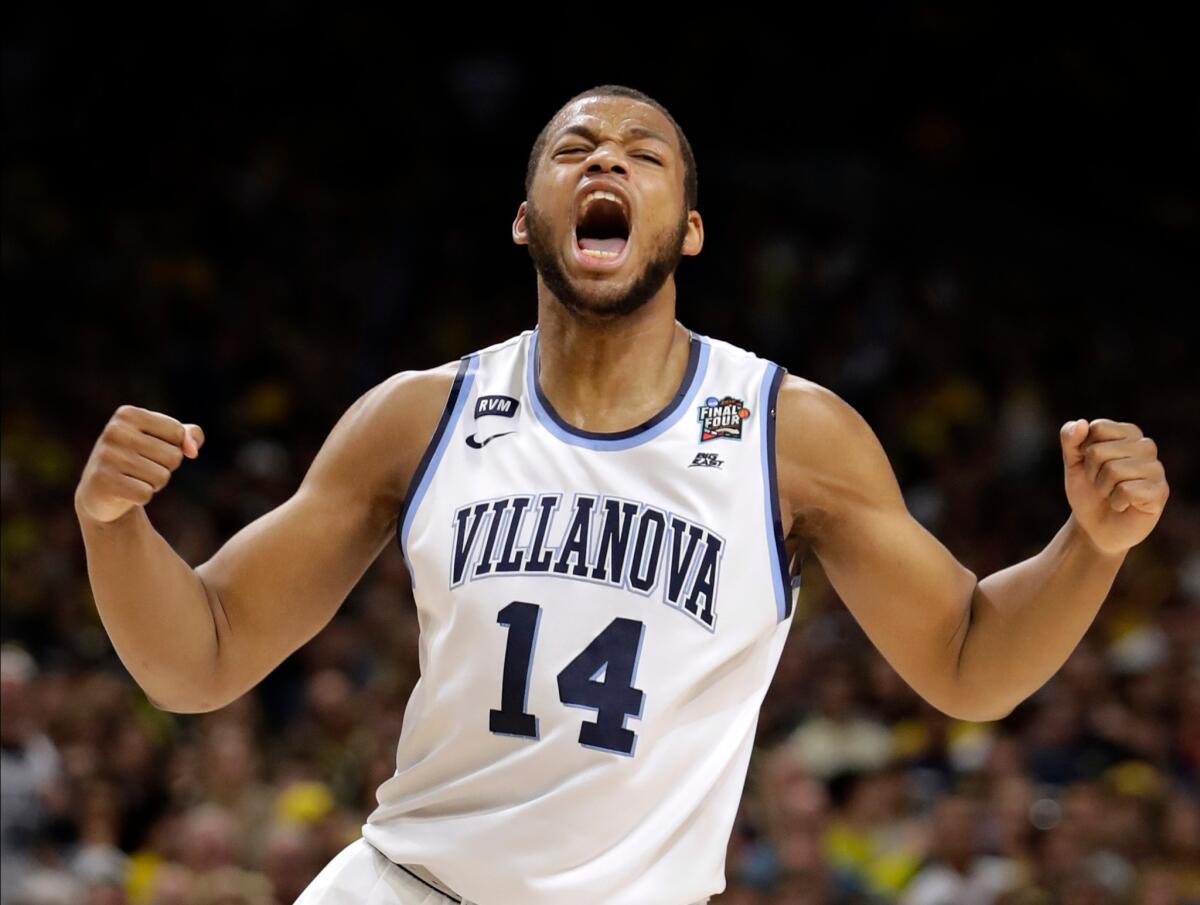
638	131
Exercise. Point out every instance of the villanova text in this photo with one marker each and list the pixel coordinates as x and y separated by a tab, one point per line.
601	540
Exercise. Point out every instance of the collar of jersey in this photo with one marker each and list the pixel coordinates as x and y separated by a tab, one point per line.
634	436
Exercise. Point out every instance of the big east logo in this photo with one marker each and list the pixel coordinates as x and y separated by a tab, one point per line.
722	418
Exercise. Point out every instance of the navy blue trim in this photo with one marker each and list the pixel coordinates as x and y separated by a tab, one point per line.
697	361
409	872
420	478
430	885
773	493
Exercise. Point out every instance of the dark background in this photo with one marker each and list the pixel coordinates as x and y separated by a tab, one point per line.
973	225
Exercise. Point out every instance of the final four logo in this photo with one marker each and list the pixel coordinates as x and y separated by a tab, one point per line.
722	418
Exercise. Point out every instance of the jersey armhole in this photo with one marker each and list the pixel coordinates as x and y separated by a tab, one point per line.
785	586
459	391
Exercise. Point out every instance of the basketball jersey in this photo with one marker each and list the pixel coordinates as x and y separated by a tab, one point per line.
600	617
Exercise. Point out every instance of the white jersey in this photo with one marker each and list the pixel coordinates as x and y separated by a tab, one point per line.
601	615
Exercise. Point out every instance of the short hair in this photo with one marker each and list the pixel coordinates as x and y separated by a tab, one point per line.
690	188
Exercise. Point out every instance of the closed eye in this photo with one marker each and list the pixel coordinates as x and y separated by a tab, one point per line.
649	157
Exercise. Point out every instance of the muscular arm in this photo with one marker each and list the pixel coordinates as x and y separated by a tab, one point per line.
197	639
972	648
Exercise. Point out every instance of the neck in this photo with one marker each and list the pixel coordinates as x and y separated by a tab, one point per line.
609	376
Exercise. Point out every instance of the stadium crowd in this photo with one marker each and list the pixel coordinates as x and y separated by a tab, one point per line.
285	275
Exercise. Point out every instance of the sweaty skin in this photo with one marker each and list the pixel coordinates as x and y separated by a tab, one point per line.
612	355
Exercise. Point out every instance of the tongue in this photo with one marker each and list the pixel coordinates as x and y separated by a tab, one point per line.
613	245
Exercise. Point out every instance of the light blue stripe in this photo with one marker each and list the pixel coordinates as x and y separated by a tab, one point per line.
637	439
764	409
463	393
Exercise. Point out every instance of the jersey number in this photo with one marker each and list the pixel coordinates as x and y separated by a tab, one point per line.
614	652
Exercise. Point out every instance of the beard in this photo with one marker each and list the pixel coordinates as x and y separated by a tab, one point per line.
600	305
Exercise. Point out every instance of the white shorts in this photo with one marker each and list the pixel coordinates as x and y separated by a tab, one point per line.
361	875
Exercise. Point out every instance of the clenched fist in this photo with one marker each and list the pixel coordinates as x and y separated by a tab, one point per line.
1115	483
133	460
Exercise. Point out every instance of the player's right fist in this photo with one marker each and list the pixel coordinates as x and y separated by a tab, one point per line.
133	460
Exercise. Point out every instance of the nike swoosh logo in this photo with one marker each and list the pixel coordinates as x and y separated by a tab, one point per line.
475	444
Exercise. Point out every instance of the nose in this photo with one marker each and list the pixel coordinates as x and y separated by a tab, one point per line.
605	160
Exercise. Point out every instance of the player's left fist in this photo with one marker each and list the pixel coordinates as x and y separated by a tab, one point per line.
1116	486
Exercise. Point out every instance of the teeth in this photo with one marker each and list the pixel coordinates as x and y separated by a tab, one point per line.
595	196
597	253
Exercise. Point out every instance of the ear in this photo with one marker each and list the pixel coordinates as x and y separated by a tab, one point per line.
520	230
694	240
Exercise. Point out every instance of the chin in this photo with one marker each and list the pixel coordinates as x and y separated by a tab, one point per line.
604	308
597	294
600	309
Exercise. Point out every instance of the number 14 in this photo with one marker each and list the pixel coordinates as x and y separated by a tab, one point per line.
614	651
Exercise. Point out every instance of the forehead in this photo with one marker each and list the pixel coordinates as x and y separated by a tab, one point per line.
615	114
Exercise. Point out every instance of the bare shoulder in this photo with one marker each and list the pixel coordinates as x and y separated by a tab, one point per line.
814	420
414	397
379	440
828	456
405	410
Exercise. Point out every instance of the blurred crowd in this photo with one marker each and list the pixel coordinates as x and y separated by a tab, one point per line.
250	273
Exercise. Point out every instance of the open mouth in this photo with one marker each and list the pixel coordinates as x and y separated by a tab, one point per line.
602	234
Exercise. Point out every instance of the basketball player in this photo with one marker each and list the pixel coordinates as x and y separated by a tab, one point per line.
602	519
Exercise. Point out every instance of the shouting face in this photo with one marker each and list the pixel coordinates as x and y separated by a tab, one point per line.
606	221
